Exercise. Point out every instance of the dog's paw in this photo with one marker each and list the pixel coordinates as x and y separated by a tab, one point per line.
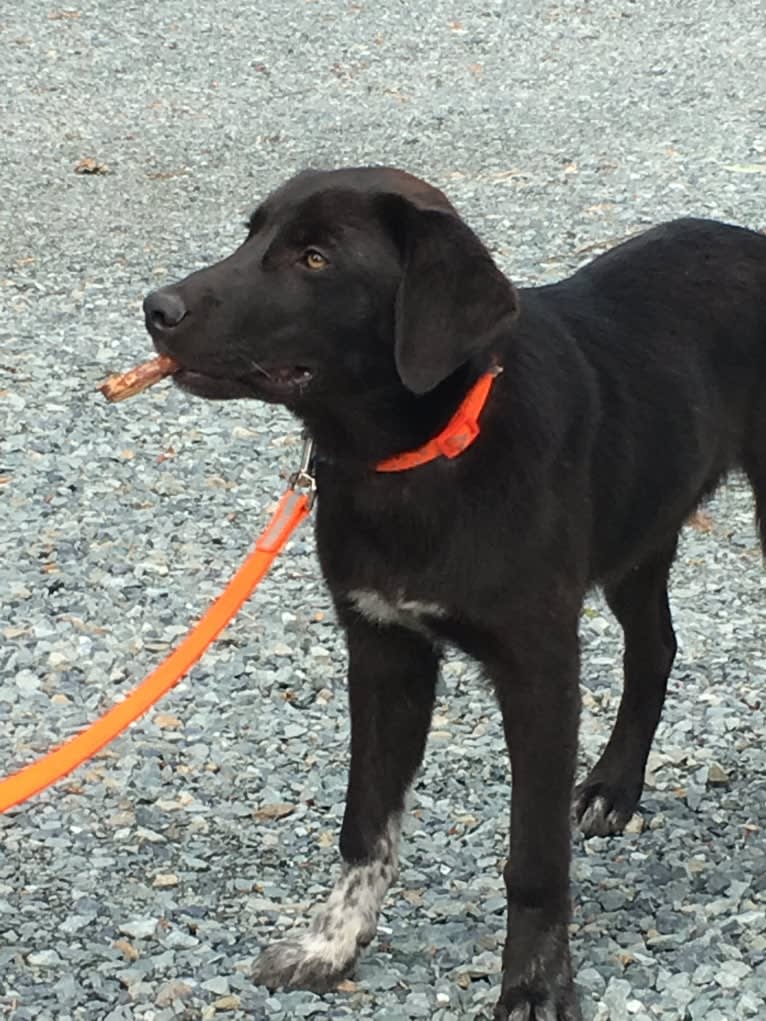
601	809
307	961
537	1012
516	1005
537	973
318	958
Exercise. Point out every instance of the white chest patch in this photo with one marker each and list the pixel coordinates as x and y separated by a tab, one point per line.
409	613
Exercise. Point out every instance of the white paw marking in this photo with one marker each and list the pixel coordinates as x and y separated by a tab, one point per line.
598	821
346	921
409	613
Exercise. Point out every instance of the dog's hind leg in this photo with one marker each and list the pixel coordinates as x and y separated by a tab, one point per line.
608	797
392	683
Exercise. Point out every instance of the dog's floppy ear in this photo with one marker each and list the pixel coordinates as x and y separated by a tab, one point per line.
453	301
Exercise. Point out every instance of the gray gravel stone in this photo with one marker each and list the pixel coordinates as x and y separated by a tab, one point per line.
591	980
44	958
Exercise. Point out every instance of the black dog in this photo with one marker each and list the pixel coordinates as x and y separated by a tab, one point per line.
363	302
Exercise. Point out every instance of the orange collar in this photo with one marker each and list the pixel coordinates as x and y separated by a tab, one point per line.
457	435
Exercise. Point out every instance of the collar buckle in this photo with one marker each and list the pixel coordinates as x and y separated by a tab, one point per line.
461	435
458	434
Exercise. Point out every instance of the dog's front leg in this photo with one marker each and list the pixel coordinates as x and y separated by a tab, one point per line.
538	692
392	681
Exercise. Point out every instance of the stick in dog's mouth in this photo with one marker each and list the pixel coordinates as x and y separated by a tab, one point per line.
128	384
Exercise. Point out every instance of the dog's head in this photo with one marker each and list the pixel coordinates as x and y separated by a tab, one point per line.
347	279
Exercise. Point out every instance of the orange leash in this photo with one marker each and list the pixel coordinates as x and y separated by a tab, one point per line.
293	508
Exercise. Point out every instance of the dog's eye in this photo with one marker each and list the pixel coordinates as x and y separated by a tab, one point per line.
314	259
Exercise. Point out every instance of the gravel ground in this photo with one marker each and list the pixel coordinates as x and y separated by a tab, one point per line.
143	886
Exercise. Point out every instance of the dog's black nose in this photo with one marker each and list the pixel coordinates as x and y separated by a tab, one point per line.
164	310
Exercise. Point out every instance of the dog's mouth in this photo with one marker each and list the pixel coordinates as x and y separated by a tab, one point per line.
270	383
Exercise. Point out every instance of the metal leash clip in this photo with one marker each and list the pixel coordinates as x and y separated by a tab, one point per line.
304	478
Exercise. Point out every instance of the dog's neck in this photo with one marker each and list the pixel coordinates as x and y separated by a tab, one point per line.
374	426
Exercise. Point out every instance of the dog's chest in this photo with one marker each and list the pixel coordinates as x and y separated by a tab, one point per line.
386	611
380	556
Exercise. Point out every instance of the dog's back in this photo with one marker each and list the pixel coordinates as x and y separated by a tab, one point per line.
677	350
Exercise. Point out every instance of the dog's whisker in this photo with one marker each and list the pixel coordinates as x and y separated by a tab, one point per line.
259	368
